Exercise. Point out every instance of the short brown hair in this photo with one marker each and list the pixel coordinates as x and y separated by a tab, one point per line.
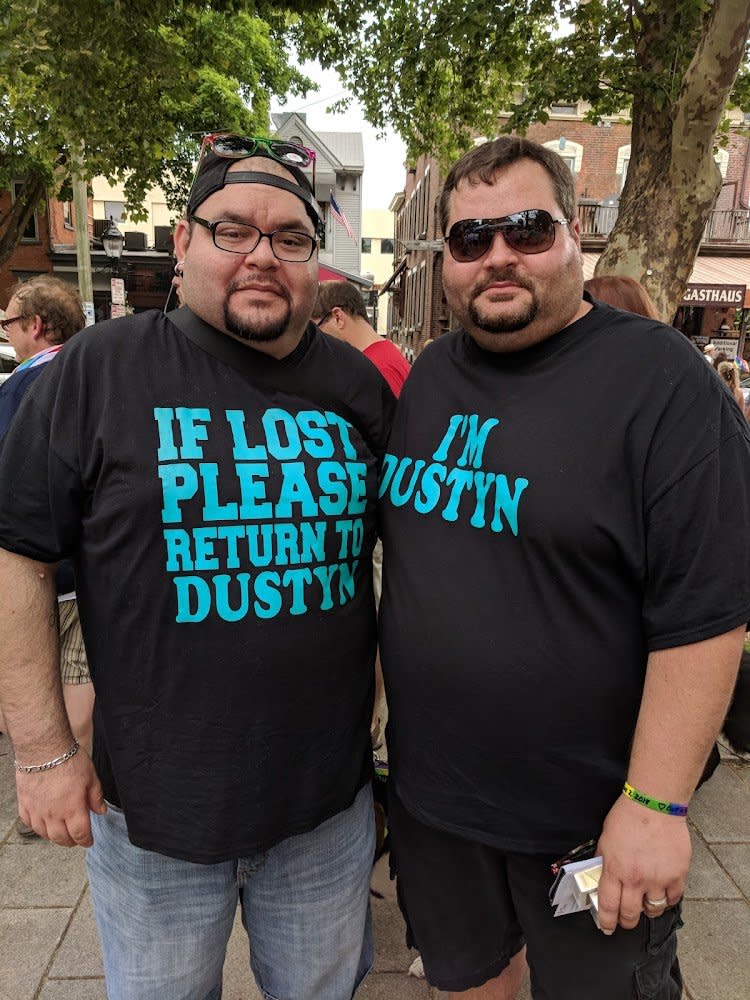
481	164
622	292
56	302
343	294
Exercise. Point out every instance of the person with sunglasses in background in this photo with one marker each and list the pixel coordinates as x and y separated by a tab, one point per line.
43	314
213	473
564	603
339	311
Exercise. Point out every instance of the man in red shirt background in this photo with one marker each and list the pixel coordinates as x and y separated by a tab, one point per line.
340	311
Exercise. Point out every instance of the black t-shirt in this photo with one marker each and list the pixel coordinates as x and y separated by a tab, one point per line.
549	517
220	509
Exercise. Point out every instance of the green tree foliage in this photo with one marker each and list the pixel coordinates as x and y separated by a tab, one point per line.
137	82
439	72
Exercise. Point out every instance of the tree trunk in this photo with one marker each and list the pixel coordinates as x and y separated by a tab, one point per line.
673	181
14	224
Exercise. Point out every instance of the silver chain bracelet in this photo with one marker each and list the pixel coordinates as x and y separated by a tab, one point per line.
35	768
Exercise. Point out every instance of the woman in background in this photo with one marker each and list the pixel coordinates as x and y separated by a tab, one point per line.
728	372
623	293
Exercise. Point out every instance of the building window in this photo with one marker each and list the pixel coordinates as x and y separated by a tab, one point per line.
31	232
623	162
68	214
721	157
386	246
114	210
563	109
568	151
366	244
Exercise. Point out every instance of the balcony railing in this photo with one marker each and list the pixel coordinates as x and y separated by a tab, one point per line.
724	226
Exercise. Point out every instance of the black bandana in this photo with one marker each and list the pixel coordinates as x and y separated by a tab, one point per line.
214	175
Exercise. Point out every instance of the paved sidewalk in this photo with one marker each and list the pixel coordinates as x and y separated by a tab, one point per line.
49	949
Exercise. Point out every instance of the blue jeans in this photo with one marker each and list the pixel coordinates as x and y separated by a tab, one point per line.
164	923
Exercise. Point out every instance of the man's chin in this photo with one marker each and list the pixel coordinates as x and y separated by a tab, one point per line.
259	332
508	323
503	313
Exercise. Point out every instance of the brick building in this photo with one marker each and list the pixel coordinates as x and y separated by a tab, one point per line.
418	311
599	157
53	226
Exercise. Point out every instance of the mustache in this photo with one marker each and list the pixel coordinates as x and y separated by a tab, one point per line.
266	284
502	274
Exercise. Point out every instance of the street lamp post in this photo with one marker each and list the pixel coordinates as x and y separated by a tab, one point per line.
113	242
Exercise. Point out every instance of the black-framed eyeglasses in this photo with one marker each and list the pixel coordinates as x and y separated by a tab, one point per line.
5	323
240	237
323	318
532	231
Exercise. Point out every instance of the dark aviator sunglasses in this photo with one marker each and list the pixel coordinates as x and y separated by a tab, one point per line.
532	231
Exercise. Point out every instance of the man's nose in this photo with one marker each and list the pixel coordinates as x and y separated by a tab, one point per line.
500	254
262	254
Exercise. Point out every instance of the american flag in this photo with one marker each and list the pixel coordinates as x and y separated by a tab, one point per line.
339	216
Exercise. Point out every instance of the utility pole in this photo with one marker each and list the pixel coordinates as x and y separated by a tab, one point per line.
81	223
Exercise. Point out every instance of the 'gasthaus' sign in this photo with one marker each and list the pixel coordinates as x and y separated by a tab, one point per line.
714	295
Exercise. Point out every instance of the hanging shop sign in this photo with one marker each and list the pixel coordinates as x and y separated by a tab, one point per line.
714	295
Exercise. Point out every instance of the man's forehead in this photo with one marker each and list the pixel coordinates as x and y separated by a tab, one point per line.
261	165
255	195
521	185
519	174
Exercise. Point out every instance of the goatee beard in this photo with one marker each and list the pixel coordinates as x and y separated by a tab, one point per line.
246	330
503	324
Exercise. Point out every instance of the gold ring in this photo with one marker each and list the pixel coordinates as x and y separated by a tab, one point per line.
656	903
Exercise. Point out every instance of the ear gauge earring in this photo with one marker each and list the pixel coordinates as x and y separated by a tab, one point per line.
174	285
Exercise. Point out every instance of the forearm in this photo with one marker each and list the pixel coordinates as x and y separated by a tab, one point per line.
30	687
685	698
646	852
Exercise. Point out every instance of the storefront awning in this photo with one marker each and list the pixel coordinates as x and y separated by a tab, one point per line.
392	280
327	272
707	271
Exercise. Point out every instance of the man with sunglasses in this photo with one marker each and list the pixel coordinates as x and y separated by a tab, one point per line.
564	603
213	473
43	314
340	311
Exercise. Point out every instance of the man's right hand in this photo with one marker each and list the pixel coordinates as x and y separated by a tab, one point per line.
56	803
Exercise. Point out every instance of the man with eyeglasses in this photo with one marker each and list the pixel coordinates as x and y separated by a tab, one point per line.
339	311
43	314
565	502
213	474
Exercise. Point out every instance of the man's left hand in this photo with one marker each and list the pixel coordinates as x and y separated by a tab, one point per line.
646	856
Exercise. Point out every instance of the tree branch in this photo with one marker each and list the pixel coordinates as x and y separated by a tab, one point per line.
716	60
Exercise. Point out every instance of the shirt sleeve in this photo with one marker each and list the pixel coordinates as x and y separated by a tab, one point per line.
697	521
